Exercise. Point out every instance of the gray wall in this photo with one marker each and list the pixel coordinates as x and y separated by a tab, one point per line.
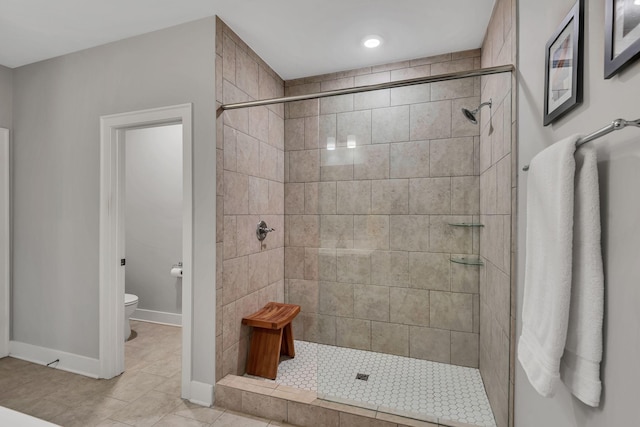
153	236
57	106
619	161
6	97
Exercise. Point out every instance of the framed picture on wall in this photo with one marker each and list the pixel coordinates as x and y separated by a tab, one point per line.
563	66
622	35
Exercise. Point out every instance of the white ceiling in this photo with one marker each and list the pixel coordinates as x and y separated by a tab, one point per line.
297	38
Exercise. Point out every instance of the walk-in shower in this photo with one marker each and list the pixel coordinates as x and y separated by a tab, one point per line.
396	238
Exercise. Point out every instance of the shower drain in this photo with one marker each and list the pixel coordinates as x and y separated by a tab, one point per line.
363	377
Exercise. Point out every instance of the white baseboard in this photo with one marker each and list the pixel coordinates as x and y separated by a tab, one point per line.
161	317
69	362
201	393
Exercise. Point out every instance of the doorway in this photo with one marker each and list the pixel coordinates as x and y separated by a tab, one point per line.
115	129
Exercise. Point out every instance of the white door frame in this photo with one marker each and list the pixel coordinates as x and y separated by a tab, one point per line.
5	243
112	228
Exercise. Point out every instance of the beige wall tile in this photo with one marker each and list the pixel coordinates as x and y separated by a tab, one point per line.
462	88
276	130
304	166
294	198
327	127
353	266
451	311
336	231
230	137
335	84
390	338
431	120
353	333
320	198
465	195
264	406
371	232
464	278
248	154
356	123
390	124
247	243
446	238
294	262
354	197
503	190
305	294
371	302
259	123
371	162
451	157
464	349
319	328
258	271
429	270
307	108
229	238
409	159
430	344
311	132
409	306
411	73
390	196
304	230
294	134
351	420
235	278
268	161
327	264
258	195
409	232
247	74
337	165
305	415
430	196
335	299
228	59
411	94
276	265
373	99
236	193
336	104
237	119
455	65
390	268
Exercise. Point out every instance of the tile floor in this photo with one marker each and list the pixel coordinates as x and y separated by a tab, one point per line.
396	384
146	394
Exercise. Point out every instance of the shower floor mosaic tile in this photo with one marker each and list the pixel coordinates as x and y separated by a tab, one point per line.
418	388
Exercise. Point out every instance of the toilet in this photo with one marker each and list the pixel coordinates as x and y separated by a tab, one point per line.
130	305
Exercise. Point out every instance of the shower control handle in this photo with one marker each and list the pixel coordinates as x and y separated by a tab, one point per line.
262	230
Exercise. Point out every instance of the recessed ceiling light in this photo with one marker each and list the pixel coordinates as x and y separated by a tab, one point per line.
372	41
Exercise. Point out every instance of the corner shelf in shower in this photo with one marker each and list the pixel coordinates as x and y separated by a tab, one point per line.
467	261
465	224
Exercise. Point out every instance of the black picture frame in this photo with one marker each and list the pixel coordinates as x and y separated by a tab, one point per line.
564	66
622	35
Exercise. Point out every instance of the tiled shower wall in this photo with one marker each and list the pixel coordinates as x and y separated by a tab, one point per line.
250	188
368	241
498	162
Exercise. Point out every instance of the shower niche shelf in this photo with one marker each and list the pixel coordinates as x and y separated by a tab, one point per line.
467	261
466	224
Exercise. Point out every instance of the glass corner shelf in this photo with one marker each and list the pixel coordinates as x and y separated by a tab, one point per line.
467	261
465	224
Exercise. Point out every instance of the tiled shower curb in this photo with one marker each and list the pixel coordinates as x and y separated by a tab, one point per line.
303	408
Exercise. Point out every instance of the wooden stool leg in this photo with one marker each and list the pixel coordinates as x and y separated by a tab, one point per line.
287	341
264	353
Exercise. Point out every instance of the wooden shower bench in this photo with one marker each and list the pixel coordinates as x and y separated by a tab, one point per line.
272	336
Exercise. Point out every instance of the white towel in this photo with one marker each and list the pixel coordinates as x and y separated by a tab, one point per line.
580	367
547	283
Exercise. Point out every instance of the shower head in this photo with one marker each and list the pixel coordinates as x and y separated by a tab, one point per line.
471	114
